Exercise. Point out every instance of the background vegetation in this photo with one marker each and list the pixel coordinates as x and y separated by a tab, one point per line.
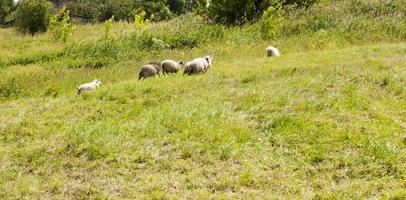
326	120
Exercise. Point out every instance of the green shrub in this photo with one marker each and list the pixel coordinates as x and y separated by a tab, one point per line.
120	9
271	22
140	21
89	9
60	26
243	11
236	11
108	25
6	7
157	8
300	3
179	7
32	16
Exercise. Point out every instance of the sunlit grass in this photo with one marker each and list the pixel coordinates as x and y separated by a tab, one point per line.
325	120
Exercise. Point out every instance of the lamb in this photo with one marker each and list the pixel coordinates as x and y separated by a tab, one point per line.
198	65
171	66
149	70
272	51
89	86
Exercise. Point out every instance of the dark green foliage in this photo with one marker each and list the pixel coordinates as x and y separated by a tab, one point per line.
300	3
5	9
88	9
32	16
236	11
121	9
57	2
101	10
184	6
156	8
242	11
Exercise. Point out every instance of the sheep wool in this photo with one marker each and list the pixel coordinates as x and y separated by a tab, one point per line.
207	62
272	51
89	86
171	66
195	66
149	70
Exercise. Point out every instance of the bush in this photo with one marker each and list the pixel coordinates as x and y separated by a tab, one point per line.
179	7
120	9
140	22
5	9
271	22
32	16
300	3
108	26
60	26
243	11
236	11
157	8
89	9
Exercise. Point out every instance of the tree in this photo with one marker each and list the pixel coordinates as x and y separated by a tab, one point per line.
237	11
32	16
179	7
120	9
5	9
242	11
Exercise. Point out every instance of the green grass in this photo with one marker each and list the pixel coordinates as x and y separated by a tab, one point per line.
311	124
325	120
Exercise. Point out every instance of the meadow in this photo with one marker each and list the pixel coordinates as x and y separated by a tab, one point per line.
325	120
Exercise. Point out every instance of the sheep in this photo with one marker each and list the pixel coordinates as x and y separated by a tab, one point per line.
194	67
89	86
171	66
272	51
149	70
209	62
198	65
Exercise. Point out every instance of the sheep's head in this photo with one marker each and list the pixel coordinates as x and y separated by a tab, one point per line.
209	59
181	63
98	82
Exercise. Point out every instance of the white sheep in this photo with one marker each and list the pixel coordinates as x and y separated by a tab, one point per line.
198	65
171	66
89	86
208	62
272	51
195	66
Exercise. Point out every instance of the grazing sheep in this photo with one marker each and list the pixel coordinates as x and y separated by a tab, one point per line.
149	70
89	86
272	51
194	67
198	65
209	62
171	66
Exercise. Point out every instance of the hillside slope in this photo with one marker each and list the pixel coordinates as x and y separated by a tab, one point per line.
316	124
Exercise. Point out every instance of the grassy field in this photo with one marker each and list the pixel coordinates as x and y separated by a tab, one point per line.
325	120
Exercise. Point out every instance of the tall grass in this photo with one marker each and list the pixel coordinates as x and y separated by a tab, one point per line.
324	24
